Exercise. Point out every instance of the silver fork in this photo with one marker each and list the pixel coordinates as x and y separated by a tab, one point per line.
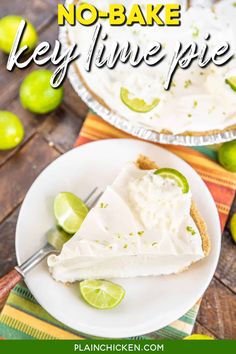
8	281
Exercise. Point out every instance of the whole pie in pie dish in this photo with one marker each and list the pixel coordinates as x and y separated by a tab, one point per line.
200	101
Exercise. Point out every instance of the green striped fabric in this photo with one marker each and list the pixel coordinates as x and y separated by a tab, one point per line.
29	312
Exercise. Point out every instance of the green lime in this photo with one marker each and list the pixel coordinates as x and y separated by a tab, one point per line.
175	175
136	104
11	130
37	95
70	211
101	294
231	81
8	28
199	337
233	227
56	237
227	155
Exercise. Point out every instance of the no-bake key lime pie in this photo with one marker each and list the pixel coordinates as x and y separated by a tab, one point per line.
145	224
199	101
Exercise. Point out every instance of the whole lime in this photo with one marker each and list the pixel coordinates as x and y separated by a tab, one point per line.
8	28
227	155
233	227
199	337
11	130
37	95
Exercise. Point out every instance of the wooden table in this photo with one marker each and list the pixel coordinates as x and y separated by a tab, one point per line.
50	136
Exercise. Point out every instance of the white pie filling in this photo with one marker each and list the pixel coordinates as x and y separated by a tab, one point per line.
141	226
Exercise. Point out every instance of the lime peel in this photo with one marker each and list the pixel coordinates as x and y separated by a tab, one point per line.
227	155
8	29
37	95
198	337
57	237
137	104
175	175
101	294
233	227
231	81
11	130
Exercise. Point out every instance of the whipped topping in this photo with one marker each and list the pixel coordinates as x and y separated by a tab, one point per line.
198	98
159	202
141	226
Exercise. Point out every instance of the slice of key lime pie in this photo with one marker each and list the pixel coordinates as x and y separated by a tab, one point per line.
145	224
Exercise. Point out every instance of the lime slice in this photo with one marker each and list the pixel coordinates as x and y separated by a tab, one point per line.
231	81
175	175
101	294
198	337
233	227
70	211
137	104
227	155
56	237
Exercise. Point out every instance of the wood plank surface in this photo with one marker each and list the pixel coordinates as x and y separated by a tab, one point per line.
18	173
200	329
62	128
226	270
49	136
218	311
7	242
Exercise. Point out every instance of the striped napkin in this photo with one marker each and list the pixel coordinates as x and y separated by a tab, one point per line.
23	318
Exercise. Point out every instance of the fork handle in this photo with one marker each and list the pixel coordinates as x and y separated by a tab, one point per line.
7	283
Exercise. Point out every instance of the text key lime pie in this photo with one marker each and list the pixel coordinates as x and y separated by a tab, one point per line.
144	224
200	102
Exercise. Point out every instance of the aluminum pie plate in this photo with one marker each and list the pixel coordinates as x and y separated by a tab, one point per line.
137	130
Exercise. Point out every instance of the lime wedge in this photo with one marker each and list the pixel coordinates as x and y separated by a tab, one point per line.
70	211
175	175
56	237
233	227
231	81
101	294
137	104
198	337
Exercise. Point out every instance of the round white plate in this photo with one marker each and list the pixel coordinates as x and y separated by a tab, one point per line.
150	303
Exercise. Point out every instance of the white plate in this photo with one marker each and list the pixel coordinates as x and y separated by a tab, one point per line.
150	303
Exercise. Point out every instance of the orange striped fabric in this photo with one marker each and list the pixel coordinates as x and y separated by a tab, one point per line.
221	183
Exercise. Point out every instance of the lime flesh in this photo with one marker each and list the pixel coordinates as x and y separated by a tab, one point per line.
70	211
8	29
137	104
231	81
174	175
227	155
199	337
37	95
233	227
11	130
56	237
101	294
